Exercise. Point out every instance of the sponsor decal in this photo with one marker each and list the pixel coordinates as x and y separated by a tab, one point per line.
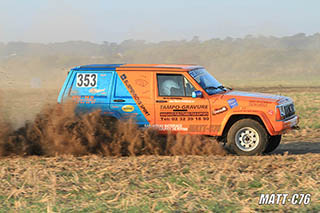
86	80
127	108
94	90
258	103
232	103
182	107
141	82
270	112
180	127
184	119
134	95
83	99
184	113
123	77
219	110
168	127
179	113
204	128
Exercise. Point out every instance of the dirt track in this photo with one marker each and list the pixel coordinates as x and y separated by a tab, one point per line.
298	148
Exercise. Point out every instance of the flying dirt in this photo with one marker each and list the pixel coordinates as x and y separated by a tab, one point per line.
58	130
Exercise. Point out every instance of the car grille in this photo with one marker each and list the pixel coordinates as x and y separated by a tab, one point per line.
289	110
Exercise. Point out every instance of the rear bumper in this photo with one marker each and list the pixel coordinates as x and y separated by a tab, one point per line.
286	125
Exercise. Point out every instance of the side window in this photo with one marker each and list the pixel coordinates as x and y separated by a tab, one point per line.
91	83
120	90
174	85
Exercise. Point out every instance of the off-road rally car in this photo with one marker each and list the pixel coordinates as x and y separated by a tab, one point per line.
182	99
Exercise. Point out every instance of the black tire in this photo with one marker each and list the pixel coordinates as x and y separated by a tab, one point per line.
273	143
252	137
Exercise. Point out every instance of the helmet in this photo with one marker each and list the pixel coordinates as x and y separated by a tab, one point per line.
167	85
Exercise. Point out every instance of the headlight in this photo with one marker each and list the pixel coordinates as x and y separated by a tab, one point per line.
280	112
285	110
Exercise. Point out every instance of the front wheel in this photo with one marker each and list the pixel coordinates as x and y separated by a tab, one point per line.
247	137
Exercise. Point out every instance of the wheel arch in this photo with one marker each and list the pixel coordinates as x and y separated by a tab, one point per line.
254	116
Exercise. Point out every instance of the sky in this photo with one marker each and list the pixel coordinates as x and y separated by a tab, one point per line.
47	21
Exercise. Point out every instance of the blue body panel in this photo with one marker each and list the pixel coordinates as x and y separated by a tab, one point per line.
121	93
109	94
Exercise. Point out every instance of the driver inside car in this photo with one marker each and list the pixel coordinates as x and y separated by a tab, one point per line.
171	88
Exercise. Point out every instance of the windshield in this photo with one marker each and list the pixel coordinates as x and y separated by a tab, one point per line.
206	81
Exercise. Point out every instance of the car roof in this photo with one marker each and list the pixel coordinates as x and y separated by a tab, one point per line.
177	67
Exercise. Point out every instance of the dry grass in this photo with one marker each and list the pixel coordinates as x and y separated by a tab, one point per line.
150	183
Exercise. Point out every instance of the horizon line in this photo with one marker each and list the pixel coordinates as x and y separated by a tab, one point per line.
195	37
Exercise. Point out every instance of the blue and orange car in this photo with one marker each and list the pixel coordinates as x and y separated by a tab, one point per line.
182	99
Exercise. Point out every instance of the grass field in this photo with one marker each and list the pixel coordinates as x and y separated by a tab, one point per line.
163	183
154	183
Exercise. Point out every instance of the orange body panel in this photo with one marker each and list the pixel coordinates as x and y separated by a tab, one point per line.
207	115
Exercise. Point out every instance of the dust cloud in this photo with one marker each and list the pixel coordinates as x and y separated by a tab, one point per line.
58	130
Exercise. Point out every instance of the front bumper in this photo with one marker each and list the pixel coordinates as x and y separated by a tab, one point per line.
285	125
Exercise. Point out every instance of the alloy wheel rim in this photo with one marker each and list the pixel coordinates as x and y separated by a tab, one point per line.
247	139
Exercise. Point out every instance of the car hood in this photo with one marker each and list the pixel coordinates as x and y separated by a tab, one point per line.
254	95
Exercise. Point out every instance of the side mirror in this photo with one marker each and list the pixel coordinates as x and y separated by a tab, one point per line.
197	94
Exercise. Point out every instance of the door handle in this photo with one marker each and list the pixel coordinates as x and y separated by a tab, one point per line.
118	100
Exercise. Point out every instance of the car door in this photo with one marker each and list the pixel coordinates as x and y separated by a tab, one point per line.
91	89
175	109
132	96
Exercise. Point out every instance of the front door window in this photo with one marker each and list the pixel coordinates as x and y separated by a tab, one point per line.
174	85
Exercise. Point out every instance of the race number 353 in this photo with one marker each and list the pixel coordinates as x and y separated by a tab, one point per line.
284	198
86	80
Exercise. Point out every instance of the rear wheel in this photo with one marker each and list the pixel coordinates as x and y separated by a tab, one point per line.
273	143
247	137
